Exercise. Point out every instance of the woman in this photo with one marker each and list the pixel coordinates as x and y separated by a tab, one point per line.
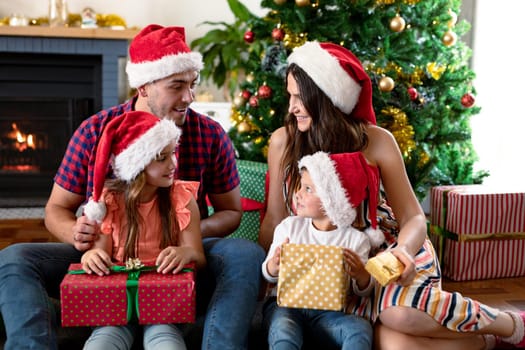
330	110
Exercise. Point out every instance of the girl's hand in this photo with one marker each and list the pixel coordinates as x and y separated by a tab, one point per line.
96	261
409	273
173	259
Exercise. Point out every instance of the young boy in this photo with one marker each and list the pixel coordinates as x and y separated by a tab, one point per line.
331	188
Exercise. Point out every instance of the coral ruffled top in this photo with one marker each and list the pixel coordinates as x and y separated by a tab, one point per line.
150	231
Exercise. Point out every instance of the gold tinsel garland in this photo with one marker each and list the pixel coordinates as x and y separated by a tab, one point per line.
390	2
75	20
401	129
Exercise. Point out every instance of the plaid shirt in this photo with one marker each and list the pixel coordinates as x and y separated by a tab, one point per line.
205	154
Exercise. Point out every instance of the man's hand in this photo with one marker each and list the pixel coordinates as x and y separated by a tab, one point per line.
85	232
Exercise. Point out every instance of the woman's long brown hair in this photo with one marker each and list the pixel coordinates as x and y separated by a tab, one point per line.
169	223
331	130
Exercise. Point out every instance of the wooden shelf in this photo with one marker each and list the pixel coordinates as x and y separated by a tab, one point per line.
68	32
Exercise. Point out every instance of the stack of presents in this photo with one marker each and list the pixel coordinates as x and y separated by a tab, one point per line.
478	232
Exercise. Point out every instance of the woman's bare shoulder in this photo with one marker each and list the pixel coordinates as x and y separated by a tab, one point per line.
279	138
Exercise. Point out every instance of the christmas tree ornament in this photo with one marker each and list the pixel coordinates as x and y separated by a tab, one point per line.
264	91
412	93
279	2
250	77
386	84
278	34
468	100
449	38
397	24
254	102
249	36
243	127
302	3
238	101
245	94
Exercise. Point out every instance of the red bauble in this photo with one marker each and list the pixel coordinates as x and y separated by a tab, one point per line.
254	102
412	93
245	94
264	91
249	37
468	100
278	34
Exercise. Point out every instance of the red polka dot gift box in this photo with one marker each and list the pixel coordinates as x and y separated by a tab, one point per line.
478	231
312	277
138	295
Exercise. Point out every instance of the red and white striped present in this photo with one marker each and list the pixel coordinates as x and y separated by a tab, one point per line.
478	231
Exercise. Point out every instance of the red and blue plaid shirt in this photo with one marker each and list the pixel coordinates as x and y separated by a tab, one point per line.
205	154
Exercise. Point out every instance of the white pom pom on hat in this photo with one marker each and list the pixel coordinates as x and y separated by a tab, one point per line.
339	74
129	142
342	182
158	52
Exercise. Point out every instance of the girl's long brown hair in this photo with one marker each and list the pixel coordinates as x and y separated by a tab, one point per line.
331	130
169	223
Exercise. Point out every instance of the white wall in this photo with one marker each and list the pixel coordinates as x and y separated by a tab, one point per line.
498	131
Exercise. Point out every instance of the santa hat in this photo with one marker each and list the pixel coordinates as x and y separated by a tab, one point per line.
339	74
158	52
342	181
130	142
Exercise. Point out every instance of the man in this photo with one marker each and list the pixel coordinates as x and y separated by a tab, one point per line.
165	72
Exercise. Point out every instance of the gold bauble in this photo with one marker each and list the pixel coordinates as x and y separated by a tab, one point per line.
449	38
397	24
302	3
243	127
238	101
279	2
386	84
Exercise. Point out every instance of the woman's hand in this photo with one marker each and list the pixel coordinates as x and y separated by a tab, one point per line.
96	261
409	272
172	259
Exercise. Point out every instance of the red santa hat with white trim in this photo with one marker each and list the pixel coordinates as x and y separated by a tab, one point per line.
342	182
339	74
158	52
129	143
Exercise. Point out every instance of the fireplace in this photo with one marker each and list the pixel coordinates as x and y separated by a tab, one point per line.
48	86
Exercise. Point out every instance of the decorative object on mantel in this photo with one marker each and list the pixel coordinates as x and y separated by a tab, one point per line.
58	13
89	18
17	20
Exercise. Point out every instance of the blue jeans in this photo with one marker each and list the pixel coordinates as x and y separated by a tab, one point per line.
156	337
30	273
230	292
287	326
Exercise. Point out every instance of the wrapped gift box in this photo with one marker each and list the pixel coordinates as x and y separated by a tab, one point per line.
478	231
312	277
145	296
253	181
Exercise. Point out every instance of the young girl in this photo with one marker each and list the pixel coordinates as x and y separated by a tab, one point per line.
143	213
331	110
331	187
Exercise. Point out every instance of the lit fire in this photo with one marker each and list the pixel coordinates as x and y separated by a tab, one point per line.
23	141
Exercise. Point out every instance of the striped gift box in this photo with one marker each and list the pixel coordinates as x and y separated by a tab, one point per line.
478	231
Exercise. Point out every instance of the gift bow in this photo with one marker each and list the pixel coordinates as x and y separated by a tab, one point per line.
133	267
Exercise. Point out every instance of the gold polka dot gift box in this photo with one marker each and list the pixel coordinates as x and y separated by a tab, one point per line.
127	295
312	277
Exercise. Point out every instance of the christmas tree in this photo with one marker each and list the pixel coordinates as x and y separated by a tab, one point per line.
411	49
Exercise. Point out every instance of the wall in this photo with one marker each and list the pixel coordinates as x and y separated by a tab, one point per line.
497	130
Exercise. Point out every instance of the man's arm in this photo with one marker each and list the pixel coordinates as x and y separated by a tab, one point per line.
227	214
61	220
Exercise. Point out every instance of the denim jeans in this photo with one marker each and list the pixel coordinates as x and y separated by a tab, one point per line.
230	293
156	337
29	274
287	327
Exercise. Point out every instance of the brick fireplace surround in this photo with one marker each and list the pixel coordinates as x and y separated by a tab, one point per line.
109	47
